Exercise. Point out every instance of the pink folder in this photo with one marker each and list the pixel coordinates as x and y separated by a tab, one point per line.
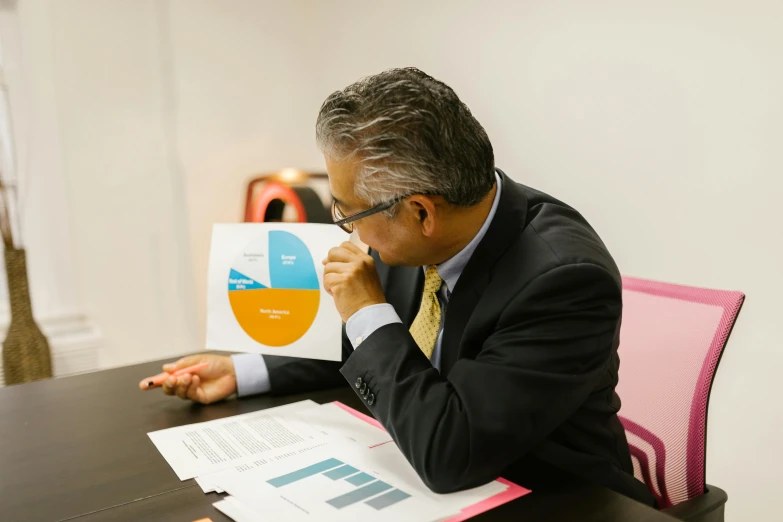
514	491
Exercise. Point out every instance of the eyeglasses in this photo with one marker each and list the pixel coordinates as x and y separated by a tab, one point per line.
346	222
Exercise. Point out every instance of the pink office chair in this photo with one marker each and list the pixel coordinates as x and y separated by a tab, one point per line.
671	341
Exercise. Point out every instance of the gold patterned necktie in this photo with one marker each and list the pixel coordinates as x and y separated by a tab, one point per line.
426	325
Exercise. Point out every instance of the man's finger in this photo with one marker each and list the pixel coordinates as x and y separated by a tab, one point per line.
182	386
338	268
172	367
353	248
184	362
330	280
169	385
196	392
340	254
192	392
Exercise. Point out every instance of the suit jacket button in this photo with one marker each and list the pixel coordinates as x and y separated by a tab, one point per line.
365	392
358	382
363	388
371	399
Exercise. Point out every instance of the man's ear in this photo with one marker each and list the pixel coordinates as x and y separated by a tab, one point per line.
424	211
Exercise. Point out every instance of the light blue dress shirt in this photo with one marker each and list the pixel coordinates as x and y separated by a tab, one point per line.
251	371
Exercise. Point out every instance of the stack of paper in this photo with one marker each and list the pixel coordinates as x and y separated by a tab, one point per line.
309	462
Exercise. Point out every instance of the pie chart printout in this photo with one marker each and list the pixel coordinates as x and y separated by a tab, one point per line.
273	288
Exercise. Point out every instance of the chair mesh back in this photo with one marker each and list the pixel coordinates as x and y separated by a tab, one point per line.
671	339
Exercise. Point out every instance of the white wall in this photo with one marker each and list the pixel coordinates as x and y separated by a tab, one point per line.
247	94
660	121
26	52
126	211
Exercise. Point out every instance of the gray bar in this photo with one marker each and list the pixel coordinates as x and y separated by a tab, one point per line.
360	478
387	499
342	471
300	474
357	495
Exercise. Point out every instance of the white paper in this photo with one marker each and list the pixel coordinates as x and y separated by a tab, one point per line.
249	486
198	449
329	420
388	462
207	482
334	421
234	510
265	290
316	496
207	486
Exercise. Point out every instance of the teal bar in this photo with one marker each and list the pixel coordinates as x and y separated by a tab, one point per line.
361	478
300	474
342	471
387	499
357	495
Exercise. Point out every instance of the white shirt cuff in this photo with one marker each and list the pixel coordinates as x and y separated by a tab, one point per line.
252	374
364	322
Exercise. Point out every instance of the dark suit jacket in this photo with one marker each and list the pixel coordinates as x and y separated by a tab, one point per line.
528	363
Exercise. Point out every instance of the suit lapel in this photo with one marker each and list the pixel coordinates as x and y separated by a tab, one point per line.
509	218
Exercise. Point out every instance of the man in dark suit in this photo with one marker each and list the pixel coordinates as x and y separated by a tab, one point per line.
482	329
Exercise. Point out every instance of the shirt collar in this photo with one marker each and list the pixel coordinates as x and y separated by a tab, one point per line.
451	269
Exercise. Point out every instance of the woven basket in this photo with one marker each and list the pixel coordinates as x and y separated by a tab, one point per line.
26	355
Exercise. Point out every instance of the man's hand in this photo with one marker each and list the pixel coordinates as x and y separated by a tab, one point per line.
351	279
211	384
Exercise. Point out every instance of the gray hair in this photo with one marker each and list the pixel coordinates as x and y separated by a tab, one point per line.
410	134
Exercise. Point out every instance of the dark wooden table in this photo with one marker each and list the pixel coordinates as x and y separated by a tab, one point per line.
77	449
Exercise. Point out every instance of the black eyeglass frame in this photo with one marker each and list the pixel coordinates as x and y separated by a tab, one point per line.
346	223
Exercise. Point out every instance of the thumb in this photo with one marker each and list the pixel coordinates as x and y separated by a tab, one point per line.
190	360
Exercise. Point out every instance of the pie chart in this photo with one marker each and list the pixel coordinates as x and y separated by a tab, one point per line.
273	289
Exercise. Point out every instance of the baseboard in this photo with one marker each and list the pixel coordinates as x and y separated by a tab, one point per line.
74	343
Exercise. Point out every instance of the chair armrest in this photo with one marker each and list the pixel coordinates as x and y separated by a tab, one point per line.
707	507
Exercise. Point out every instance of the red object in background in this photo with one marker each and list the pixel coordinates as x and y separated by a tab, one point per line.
267	196
274	190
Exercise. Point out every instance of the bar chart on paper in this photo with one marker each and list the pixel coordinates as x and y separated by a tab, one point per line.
340	485
345	483
273	288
